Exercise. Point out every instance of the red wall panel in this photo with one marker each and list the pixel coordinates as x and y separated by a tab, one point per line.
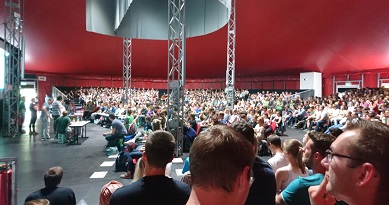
70	82
57	80
355	77
279	85
267	85
327	86
82	83
341	78
158	85
244	85
292	85
94	83
192	85
370	80
207	85
216	86
256	85
117	83
106	83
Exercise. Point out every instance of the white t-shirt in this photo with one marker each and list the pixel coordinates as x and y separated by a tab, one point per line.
277	161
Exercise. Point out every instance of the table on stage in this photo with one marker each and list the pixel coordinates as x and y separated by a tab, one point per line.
78	128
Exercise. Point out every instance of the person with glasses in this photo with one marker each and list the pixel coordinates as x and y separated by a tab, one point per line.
220	166
263	189
296	193
357	166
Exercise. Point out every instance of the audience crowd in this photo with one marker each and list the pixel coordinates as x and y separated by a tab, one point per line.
224	143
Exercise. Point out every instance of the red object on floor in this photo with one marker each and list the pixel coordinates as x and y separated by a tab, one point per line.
5	186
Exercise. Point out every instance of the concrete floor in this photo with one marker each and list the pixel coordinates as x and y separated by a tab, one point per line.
78	161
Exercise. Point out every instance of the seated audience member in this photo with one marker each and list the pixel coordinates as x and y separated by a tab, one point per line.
62	123
88	110
56	195
260	129
220	165
356	169
154	187
139	170
107	190
320	120
263	189
314	151
189	136
293	151
38	202
118	131
278	160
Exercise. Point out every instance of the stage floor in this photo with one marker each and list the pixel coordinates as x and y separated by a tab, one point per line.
86	167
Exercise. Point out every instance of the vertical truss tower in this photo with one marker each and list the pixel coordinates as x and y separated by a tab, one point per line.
176	71
230	72
13	44
127	55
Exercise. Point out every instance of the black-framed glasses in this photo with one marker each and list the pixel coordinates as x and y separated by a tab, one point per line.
330	155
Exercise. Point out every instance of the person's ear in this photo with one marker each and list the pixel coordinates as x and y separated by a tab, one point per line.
367	173
244	179
144	156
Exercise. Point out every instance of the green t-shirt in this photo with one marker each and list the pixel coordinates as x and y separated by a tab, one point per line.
296	193
62	123
22	107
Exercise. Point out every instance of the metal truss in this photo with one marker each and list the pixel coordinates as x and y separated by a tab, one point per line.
127	59
176	71
230	72
13	44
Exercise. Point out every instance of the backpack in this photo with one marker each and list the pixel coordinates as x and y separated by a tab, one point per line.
264	149
121	162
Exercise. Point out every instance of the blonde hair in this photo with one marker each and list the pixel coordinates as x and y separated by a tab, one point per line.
38	202
295	148
139	170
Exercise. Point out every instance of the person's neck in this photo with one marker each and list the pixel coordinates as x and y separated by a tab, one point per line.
317	168
151	171
210	197
278	150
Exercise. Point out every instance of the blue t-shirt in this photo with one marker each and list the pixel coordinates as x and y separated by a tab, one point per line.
43	114
297	191
186	166
118	125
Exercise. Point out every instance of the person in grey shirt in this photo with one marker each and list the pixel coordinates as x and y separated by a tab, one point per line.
118	130
45	116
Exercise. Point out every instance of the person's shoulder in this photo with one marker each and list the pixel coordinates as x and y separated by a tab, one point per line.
64	189
34	195
261	164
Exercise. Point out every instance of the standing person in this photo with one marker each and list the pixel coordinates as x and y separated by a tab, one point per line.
22	113
56	110
34	113
45	117
220	166
356	166
52	192
154	187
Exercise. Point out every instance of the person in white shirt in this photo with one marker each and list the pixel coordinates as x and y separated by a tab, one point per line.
278	160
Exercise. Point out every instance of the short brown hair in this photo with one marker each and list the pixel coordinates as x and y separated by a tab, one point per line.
321	142
159	148
371	145
217	157
53	176
274	140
